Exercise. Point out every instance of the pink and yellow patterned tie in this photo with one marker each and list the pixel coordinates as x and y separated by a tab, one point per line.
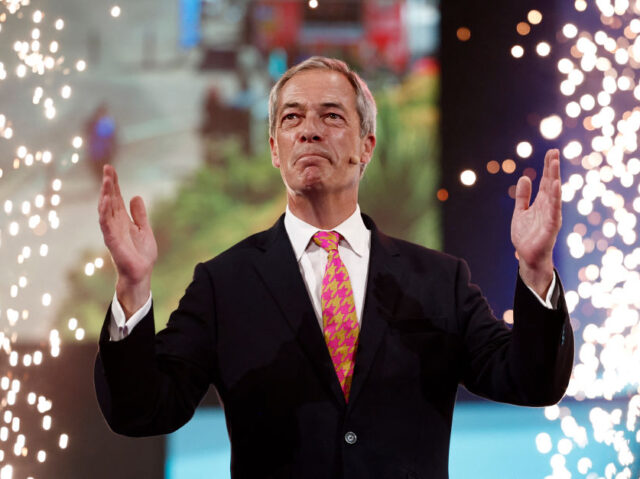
340	323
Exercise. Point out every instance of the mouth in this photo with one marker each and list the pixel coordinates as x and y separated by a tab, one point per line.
310	159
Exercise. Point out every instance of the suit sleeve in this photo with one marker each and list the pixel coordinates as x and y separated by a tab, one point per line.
529	364
150	384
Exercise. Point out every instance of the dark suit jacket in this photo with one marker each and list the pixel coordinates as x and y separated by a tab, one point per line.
247	326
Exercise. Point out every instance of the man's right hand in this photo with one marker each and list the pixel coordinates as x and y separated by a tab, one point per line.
131	243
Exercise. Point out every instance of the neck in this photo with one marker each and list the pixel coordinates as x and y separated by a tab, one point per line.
324	212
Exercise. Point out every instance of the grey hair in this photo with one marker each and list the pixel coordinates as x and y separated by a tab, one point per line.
365	103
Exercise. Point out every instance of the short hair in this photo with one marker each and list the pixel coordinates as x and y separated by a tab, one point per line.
365	103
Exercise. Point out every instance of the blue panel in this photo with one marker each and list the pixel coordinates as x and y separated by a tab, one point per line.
488	440
200	449
190	11
499	440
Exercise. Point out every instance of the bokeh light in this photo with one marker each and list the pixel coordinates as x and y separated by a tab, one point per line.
543	49
517	51
508	166
599	79
534	17
463	34
468	177
523	28
493	167
38	68
551	127
524	149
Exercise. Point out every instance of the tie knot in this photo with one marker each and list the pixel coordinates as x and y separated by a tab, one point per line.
327	240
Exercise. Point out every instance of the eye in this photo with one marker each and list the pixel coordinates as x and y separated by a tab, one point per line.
334	116
290	116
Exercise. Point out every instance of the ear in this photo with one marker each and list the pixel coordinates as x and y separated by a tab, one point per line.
275	159
368	145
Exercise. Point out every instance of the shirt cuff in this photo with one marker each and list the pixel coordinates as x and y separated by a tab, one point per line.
119	326
551	301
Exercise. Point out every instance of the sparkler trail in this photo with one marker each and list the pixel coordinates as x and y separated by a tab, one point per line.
31	62
598	130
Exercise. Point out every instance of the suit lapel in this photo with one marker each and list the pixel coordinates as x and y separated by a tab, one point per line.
281	275
381	298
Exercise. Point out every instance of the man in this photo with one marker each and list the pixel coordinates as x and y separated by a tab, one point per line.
336	350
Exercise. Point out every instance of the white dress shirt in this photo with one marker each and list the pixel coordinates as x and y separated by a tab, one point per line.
354	248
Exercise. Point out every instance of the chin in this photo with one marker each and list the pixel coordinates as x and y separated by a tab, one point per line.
312	186
311	179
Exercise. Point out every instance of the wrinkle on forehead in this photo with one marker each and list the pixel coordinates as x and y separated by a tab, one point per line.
320	88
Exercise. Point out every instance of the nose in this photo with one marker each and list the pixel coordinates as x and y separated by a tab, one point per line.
310	131
309	138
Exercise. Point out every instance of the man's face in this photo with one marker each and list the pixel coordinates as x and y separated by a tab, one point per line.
317	144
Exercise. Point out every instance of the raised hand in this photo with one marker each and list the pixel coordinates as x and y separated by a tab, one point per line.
534	228
131	243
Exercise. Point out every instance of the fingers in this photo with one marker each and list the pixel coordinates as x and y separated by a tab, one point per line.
523	194
116	185
108	175
111	190
550	190
106	191
550	172
111	207
545	168
139	212
551	169
554	171
556	197
554	165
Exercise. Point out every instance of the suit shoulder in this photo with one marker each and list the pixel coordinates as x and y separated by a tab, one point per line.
421	256
244	250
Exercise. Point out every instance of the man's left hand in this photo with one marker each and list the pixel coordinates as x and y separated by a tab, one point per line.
534	228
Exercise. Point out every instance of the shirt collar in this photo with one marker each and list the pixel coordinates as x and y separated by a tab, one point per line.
352	230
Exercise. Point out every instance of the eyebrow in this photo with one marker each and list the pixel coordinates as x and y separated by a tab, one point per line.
333	105
329	104
293	104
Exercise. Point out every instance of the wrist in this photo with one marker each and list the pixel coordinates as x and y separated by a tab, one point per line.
538	277
132	295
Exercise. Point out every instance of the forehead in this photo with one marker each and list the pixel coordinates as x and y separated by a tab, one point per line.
317	87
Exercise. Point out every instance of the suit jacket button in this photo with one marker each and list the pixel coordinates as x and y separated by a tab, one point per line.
350	437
